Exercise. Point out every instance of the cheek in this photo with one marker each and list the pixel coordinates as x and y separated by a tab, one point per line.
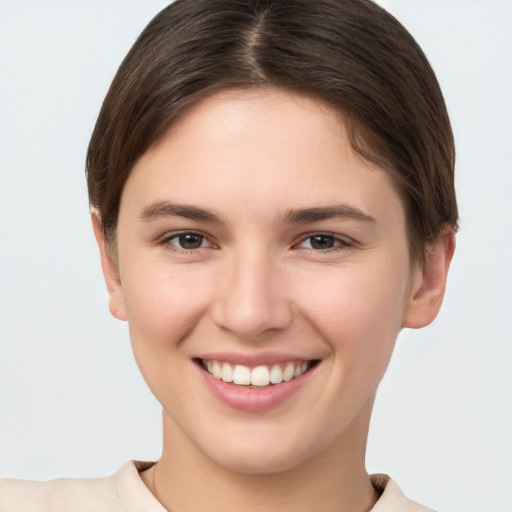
359	309
160	297
163	308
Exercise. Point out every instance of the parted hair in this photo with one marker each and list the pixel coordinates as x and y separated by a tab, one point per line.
351	54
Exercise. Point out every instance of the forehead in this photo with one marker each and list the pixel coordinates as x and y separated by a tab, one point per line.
246	148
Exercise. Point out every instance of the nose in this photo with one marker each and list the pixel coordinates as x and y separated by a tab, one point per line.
251	299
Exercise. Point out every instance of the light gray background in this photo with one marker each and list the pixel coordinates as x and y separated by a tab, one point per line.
71	399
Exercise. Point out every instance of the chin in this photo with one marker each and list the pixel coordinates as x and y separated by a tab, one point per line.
266	455
258	464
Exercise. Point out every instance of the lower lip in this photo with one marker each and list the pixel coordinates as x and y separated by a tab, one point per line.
249	399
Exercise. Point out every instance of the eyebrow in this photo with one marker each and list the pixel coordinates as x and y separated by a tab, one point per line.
340	212
161	209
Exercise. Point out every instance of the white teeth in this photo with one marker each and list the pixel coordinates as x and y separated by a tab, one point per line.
276	374
259	376
216	370
227	373
288	372
241	375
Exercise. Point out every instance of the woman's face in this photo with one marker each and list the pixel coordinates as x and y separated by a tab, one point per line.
253	241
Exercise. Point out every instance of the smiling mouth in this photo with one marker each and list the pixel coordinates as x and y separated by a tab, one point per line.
257	377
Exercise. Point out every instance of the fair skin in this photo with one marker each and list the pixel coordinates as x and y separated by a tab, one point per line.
252	234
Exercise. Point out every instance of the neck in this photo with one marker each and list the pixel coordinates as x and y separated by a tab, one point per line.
334	479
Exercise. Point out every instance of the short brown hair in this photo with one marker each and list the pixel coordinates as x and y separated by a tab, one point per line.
351	54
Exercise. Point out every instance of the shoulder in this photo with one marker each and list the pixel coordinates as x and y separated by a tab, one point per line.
392	498
91	494
106	494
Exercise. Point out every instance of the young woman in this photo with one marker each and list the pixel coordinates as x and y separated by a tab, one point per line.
271	185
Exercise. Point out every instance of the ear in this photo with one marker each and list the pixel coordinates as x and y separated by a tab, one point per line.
110	269
429	282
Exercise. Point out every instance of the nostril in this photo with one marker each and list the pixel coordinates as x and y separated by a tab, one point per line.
250	322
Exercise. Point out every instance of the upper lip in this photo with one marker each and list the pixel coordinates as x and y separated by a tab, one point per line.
262	358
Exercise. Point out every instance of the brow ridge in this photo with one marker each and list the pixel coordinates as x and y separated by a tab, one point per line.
160	209
317	214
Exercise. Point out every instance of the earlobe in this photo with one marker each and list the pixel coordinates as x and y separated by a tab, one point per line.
429	283
110	269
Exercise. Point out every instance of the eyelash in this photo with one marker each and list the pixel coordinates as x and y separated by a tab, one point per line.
168	238
340	243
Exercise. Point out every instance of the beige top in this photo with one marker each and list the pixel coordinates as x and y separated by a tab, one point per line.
125	492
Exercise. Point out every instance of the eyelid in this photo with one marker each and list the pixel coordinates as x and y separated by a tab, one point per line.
166	238
344	241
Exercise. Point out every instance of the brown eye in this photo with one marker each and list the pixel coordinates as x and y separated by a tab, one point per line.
189	240
322	242
184	241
